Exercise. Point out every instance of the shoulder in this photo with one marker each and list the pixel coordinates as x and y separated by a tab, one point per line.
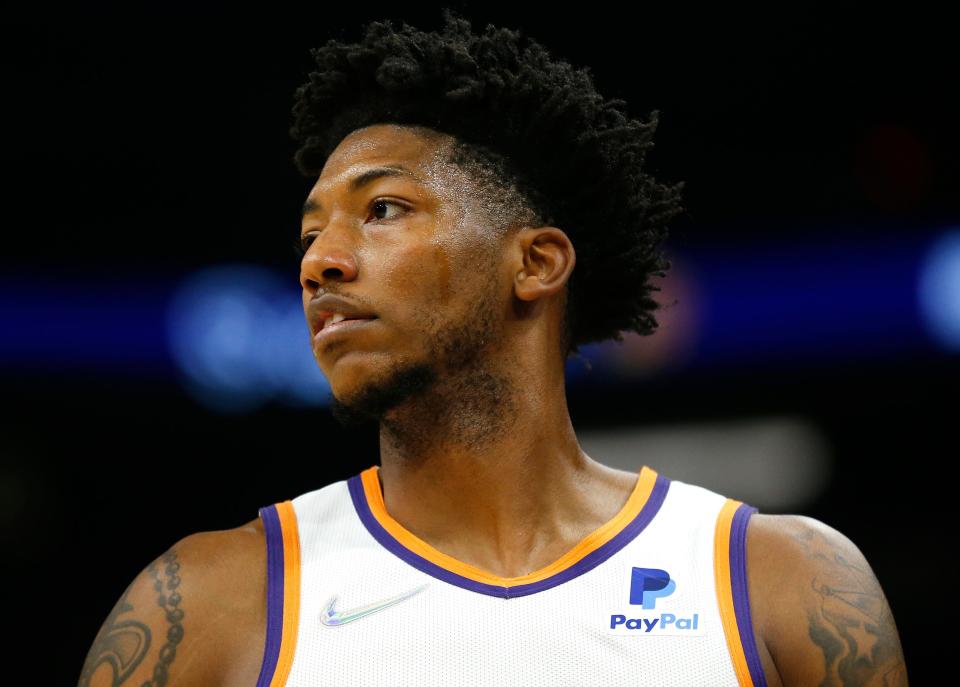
818	606
195	615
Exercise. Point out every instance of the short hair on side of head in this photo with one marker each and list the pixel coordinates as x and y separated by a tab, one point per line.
545	147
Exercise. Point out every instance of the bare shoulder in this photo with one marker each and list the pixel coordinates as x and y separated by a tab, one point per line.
818	606
194	616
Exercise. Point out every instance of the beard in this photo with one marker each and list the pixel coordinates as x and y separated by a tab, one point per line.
371	404
454	355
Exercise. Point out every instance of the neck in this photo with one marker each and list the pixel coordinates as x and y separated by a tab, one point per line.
487	469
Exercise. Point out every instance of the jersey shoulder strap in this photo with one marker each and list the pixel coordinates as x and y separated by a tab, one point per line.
283	592
730	568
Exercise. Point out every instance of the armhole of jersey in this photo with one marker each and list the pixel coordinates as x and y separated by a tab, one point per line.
730	565
283	593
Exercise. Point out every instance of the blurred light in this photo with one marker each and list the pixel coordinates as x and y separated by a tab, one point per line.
678	316
775	464
939	290
237	338
807	302
240	338
55	323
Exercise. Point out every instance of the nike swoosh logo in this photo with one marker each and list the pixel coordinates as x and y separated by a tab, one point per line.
334	618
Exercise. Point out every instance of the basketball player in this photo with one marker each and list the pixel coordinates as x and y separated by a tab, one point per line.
479	212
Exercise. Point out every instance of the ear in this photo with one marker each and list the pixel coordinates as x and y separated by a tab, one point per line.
546	263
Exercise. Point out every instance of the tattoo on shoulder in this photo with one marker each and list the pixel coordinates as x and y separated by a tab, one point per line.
124	641
851	621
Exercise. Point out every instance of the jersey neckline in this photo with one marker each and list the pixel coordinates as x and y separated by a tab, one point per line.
642	505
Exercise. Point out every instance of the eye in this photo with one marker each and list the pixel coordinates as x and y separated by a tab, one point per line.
378	206
383	203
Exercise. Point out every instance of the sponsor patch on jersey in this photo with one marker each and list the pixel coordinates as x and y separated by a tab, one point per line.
645	617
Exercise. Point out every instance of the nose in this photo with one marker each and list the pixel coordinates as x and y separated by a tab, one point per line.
325	261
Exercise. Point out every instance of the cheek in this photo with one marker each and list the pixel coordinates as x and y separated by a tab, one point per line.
418	276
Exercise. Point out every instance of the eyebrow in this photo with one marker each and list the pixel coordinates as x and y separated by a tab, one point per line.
362	180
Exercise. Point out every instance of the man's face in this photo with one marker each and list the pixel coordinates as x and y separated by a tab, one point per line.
413	249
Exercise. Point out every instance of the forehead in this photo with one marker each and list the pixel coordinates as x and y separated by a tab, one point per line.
415	149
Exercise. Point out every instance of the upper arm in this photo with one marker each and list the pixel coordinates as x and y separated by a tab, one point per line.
168	625
819	607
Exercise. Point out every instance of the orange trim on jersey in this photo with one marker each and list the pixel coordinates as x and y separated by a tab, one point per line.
635	503
728	616
291	592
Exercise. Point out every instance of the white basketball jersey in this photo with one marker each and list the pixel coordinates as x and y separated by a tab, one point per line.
656	596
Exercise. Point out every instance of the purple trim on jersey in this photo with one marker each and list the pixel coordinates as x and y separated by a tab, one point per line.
588	562
271	650
741	597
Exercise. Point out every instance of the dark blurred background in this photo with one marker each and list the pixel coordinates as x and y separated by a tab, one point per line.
155	361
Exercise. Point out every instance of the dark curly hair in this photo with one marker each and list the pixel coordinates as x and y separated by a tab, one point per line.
546	147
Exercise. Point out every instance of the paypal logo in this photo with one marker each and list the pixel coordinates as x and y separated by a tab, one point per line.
649	584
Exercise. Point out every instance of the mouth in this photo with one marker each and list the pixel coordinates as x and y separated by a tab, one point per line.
340	328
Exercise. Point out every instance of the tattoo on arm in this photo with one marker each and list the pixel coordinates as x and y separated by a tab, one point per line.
121	644
123	641
852	622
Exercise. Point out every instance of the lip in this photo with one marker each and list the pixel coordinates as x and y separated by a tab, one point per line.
343	327
329	304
